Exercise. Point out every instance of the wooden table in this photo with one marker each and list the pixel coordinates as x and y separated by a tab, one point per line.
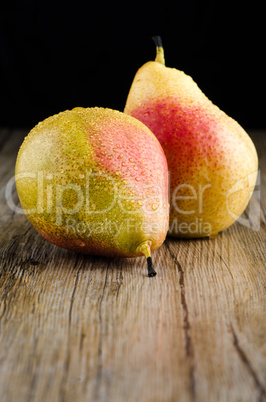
83	328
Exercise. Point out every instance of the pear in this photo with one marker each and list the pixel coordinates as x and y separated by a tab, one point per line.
212	161
94	180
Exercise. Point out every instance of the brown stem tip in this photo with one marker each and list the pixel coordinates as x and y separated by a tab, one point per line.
158	41
159	50
151	271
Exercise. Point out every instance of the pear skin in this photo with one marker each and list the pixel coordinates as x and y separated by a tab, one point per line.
94	181
212	161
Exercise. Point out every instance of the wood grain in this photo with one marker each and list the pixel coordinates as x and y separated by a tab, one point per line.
84	328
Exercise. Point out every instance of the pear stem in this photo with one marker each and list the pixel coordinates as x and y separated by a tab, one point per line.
145	249
159	50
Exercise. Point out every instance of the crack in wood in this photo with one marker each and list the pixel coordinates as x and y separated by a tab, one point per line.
68	354
73	294
98	377
119	283
186	324
226	266
243	357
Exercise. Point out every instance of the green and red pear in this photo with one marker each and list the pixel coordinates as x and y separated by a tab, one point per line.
212	161
94	181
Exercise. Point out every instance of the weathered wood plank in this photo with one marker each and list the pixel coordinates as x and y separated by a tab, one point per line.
75	327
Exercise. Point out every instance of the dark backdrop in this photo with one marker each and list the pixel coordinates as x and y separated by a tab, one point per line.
55	55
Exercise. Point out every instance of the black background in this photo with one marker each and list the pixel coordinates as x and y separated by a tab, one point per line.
55	55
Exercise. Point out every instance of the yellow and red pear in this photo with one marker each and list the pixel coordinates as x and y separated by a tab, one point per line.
94	180
212	161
